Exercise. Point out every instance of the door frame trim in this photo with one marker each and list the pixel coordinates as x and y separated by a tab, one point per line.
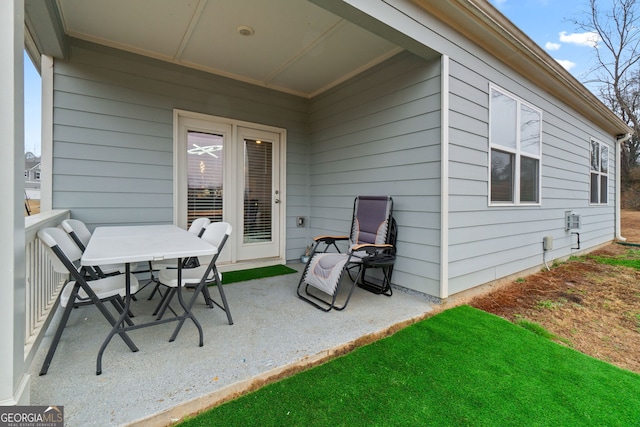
178	181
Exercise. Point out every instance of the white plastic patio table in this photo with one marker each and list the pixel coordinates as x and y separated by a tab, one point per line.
127	244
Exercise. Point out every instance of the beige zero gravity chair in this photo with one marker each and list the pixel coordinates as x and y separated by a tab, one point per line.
371	245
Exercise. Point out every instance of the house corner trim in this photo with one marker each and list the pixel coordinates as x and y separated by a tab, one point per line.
444	180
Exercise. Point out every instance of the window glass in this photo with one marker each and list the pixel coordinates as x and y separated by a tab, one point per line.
501	176
595	156
594	188
503	120
529	130
599	181
528	179
603	189
604	159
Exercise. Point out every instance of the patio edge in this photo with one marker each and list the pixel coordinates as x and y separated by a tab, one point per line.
195	406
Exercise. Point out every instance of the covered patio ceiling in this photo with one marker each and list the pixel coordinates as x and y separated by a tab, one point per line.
301	47
292	46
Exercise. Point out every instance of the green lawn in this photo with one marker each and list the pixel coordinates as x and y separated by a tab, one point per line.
461	367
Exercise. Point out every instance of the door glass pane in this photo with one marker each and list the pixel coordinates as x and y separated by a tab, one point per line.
258	192
501	176
205	157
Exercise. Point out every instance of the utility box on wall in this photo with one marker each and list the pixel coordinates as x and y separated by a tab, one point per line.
572	220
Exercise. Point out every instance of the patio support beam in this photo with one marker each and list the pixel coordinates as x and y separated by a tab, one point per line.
14	380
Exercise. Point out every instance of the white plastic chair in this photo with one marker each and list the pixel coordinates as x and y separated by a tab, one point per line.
200	277
78	291
81	235
197	227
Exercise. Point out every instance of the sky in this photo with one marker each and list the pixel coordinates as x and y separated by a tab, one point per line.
550	23
32	102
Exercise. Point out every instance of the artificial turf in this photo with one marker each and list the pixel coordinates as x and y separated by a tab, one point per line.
255	273
460	367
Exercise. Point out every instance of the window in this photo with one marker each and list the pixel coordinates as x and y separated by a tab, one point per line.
516	146
599	173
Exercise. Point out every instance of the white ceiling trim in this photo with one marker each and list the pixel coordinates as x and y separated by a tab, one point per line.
318	40
357	71
192	26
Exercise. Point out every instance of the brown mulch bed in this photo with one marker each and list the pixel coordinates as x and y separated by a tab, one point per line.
590	306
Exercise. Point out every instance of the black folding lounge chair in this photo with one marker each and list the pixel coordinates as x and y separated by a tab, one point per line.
371	245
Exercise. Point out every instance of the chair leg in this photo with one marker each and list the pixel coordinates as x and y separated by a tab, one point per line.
381	289
58	334
224	306
325	304
161	303
118	303
223	297
156	288
307	296
207	296
164	304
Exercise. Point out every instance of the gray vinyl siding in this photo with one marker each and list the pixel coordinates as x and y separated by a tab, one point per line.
113	134
379	133
490	242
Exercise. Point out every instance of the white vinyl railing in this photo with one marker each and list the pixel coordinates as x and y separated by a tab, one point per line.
42	284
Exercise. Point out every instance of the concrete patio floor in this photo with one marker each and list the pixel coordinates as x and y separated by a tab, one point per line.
274	332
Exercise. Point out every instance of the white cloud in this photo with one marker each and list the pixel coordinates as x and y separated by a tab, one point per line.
566	64
552	46
589	39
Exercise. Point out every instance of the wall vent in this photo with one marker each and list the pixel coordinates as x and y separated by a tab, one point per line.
572	220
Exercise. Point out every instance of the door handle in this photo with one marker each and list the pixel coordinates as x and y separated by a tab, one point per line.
277	200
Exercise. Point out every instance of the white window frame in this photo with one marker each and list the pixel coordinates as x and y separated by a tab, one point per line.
517	152
599	173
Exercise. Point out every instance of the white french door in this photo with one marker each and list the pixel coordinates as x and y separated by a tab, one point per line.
258	175
231	171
